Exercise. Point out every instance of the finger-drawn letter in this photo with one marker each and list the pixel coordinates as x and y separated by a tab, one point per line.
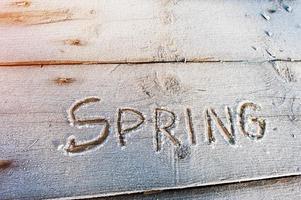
190	128
121	130
241	119
72	146
227	132
165	129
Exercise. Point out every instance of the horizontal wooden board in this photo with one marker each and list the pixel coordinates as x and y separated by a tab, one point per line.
283	188
72	31
42	107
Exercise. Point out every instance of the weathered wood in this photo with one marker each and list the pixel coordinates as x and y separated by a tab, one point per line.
73	31
283	188
39	113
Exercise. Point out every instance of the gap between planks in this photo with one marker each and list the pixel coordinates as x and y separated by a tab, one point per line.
157	190
74	62
202	191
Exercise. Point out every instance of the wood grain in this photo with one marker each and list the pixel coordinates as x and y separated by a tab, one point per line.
35	121
121	31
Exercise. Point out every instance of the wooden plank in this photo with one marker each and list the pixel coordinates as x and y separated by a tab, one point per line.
73	31
42	107
282	188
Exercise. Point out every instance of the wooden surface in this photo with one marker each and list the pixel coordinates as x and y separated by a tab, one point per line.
276	189
34	118
102	98
117	31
